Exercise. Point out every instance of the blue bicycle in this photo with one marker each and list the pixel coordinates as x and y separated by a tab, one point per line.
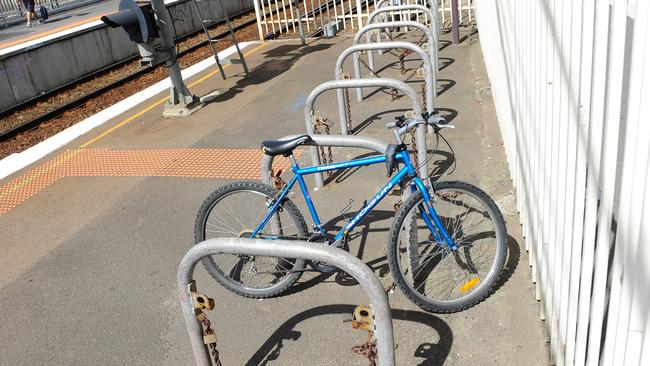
447	242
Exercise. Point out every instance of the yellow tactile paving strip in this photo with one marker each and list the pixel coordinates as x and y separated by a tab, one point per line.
193	163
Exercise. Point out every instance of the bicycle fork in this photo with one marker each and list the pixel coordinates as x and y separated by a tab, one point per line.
428	212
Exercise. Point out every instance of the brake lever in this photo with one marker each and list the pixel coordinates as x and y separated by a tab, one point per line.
400	120
438	121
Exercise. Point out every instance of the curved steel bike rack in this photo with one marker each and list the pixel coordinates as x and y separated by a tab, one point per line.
432	15
433	4
429	73
286	249
432	41
365	83
326	140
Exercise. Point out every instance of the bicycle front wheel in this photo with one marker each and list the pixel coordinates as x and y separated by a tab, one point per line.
234	211
427	271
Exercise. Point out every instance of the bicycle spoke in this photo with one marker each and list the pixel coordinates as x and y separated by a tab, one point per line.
443	274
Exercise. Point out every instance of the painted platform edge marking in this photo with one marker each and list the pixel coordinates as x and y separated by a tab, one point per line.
15	162
181	163
63	33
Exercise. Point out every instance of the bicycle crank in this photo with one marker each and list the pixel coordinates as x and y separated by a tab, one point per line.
326	239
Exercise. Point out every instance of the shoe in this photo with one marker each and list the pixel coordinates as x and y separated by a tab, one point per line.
29	25
41	21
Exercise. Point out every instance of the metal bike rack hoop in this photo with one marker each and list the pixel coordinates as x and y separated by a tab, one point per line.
433	4
326	140
286	249
432	41
364	83
433	15
429	72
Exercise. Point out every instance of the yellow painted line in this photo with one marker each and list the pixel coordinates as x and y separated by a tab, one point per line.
30	178
161	101
51	31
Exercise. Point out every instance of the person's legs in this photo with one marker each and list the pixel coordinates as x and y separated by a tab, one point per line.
29	6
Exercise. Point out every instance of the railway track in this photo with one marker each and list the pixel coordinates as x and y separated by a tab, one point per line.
15	130
242	23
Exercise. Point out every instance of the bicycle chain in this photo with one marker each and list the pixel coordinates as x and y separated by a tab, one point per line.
326	157
367	350
208	331
423	91
348	109
393	92
414	147
368	67
413	72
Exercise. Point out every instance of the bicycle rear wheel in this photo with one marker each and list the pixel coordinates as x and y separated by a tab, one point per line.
234	211
427	271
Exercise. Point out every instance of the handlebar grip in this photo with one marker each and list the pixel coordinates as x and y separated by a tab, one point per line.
391	125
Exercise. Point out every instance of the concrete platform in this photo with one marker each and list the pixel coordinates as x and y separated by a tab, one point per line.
91	238
57	22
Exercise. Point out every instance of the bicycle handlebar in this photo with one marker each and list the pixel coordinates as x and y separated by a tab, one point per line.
401	128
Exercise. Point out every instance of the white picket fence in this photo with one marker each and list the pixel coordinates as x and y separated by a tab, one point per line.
571	86
280	15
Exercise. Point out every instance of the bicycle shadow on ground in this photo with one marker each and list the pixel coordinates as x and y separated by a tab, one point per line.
379	266
278	60
431	353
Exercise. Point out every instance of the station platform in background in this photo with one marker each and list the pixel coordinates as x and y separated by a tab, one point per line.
17	34
93	234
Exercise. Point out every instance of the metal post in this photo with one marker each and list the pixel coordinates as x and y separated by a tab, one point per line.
300	28
207	33
455	23
256	4
383	326
181	101
234	40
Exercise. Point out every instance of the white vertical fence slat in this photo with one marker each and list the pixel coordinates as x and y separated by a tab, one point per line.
280	16
572	96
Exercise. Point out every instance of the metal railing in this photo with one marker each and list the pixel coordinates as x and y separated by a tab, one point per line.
383	326
571	88
280	15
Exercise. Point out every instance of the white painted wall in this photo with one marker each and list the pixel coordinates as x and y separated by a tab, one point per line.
573	98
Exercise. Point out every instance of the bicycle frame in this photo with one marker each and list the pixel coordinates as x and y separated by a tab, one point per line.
429	214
